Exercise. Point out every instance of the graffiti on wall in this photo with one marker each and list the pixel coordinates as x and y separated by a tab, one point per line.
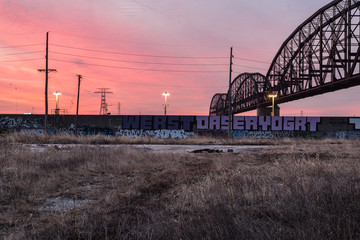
356	122
187	123
185	126
164	133
20	123
159	122
263	134
344	134
261	123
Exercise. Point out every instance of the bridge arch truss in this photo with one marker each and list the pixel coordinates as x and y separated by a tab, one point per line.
321	55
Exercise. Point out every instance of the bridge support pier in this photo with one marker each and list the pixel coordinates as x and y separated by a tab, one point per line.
266	111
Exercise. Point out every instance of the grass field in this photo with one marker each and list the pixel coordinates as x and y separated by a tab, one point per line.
294	189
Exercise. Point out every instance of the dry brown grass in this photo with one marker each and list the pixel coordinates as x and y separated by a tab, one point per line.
297	189
104	139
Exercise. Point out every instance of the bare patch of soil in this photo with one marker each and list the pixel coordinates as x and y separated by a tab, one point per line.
301	190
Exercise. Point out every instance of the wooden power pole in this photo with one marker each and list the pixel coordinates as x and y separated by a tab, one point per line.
46	70
78	97
229	94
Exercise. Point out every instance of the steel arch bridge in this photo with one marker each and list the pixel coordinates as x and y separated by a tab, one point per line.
322	55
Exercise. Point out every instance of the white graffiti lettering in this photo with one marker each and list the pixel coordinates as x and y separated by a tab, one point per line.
179	134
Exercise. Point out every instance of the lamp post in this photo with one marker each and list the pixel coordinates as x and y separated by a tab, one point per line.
57	94
165	94
273	96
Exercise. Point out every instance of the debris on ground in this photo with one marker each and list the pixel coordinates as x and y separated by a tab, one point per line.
206	150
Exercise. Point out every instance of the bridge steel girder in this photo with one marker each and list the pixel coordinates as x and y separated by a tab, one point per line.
217	106
246	91
322	55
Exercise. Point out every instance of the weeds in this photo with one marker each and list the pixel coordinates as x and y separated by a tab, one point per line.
104	139
304	189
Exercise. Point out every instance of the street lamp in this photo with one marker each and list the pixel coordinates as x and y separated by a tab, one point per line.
273	96
57	94
165	94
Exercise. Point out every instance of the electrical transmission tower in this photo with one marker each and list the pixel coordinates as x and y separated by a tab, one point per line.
103	105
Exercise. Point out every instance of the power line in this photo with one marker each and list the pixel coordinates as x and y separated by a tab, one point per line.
249	67
139	55
6	54
141	62
20	60
25	45
22	33
142	43
142	69
152	44
155	56
154	85
251	60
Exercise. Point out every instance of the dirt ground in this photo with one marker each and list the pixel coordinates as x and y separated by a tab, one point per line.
301	190
163	148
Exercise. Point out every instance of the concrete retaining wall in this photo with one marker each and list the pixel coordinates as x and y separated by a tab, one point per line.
184	126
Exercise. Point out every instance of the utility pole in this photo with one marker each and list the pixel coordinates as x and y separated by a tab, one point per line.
118	108
103	104
229	94
46	70
78	97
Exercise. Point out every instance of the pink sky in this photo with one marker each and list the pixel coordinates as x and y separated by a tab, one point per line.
90	38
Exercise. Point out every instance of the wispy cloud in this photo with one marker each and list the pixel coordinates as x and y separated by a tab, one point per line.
256	29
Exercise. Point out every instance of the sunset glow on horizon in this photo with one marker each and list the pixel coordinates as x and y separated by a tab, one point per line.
139	49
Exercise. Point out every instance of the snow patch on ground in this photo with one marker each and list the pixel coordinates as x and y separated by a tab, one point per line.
61	204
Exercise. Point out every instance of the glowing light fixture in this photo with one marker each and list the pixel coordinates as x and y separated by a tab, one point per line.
57	94
273	96
165	94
